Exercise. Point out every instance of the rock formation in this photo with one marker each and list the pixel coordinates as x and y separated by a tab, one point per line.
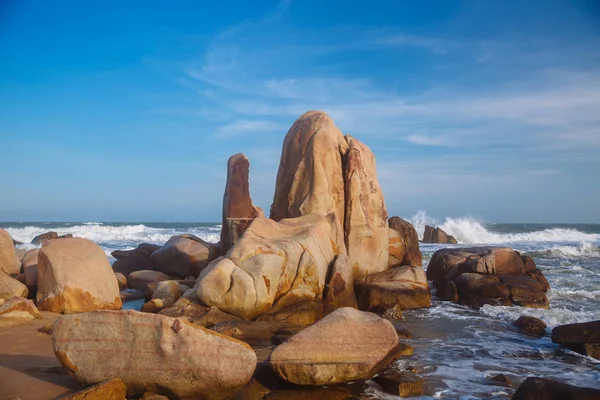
488	275
184	255
152	352
9	263
10	287
140	280
583	338
274	264
548	389
238	210
437	235
74	275
406	231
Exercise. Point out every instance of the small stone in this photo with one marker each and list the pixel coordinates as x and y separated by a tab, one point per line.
501	378
530	326
403	384
113	389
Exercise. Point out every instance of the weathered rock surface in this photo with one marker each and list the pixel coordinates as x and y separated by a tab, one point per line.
346	345
531	326
365	227
10	287
583	338
397	248
340	288
257	333
152	352
488	275
410	237
184	255
114	389
129	264
74	275
30	269
275	264
122	281
142	250
393	290
139	280
18	310
9	263
310	176
548	389
403	384
302	313
165	295
238	210
437	235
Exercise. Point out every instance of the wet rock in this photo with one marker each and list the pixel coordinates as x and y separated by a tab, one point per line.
548	389
402	288
501	378
410	237
9	263
74	275
583	338
152	352
113	389
403	384
339	291
346	345
183	256
238	210
531	326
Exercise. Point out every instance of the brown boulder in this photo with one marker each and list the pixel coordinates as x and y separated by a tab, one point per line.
408	233
143	250
365	227
397	249
10	287
344	346
525	291
530	326
139	280
122	281
393	290
428	234
548	389
183	256
583	338
9	263
30	269
44	236
273	265
302	313
152	352
310	176
478	289
340	288
74	275
113	389
238	210
18	310
129	264
256	333
403	384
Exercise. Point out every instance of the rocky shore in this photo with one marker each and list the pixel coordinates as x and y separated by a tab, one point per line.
307	303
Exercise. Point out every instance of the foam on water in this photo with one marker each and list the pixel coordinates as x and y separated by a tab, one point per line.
553	316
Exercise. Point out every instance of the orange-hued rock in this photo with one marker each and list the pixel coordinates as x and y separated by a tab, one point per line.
275	264
122	281
397	248
407	232
310	176
9	262
344	346
30	269
365	227
114	389
340	288
152	353
238	210
18	310
74	275
10	287
184	255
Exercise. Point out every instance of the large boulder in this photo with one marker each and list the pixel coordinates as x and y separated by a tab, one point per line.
310	176
488	275
184	255
437	235
407	232
142	250
365	228
129	264
396	289
9	263
10	287
238	210
397	248
30	269
548	389
344	346
273	265
152	352
74	275
583	338
340	288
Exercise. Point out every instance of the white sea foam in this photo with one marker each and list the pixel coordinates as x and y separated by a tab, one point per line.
552	316
586	249
470	230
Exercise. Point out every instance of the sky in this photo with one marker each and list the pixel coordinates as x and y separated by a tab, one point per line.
128	111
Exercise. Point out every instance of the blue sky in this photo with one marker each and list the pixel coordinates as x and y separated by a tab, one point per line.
128	111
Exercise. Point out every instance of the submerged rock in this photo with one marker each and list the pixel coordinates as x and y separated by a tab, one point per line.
531	326
548	389
74	275
583	338
344	346
152	353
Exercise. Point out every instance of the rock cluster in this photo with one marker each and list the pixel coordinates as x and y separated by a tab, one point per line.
488	275
437	235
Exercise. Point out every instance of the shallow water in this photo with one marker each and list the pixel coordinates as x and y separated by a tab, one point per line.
456	348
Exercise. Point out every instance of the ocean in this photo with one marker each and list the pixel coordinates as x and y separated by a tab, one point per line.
457	349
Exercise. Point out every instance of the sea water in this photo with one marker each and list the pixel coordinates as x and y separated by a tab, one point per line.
456	349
